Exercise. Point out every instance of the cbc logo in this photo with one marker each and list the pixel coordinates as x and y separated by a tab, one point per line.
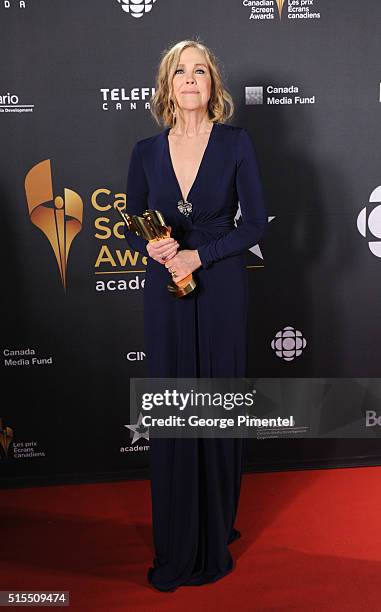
369	222
137	8
288	343
135	356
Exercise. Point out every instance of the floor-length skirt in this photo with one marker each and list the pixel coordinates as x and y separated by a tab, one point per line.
195	482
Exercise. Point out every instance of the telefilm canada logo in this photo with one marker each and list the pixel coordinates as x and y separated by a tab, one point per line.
122	98
59	218
295	10
14	4
137	8
11	103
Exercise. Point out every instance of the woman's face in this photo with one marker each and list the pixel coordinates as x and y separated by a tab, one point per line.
192	80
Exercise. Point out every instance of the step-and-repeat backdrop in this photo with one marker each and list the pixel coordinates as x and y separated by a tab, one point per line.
75	82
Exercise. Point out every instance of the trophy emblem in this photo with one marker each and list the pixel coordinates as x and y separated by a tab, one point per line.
6	436
151	226
59	218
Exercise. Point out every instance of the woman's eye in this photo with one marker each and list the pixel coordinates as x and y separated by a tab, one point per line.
182	70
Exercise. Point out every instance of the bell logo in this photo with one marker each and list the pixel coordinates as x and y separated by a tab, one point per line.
60	219
372	419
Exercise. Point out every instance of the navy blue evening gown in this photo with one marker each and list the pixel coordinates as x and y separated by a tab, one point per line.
195	483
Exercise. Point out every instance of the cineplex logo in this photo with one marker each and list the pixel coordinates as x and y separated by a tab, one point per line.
59	218
282	9
137	8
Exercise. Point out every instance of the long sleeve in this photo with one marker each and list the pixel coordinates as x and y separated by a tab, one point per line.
137	191
253	210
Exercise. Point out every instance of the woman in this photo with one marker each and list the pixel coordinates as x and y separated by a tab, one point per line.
194	172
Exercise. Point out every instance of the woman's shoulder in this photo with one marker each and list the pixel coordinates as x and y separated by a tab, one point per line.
230	129
148	142
231	133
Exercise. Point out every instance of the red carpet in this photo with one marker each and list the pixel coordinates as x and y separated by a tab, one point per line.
311	540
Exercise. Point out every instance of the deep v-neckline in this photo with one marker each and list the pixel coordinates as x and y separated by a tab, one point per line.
199	168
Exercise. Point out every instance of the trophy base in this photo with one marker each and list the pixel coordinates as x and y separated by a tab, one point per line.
183	287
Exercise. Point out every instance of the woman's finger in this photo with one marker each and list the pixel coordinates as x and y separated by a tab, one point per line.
169	252
163	242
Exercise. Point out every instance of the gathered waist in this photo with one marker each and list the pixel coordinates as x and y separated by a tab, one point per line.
211	226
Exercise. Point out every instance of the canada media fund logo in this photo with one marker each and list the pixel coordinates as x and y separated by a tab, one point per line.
59	218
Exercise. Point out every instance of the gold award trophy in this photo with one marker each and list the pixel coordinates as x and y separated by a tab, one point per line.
151	226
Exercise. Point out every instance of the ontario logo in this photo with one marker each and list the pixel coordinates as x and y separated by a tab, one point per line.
59	218
137	8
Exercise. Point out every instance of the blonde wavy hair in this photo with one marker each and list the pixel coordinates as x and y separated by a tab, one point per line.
163	102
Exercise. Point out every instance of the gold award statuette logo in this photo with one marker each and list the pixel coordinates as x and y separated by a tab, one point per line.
6	436
60	219
280	4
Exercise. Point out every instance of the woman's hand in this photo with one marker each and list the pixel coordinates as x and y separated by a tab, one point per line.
163	249
182	264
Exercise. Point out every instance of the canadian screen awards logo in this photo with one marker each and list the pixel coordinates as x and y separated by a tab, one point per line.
137	8
6	438
12	448
59	218
282	9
